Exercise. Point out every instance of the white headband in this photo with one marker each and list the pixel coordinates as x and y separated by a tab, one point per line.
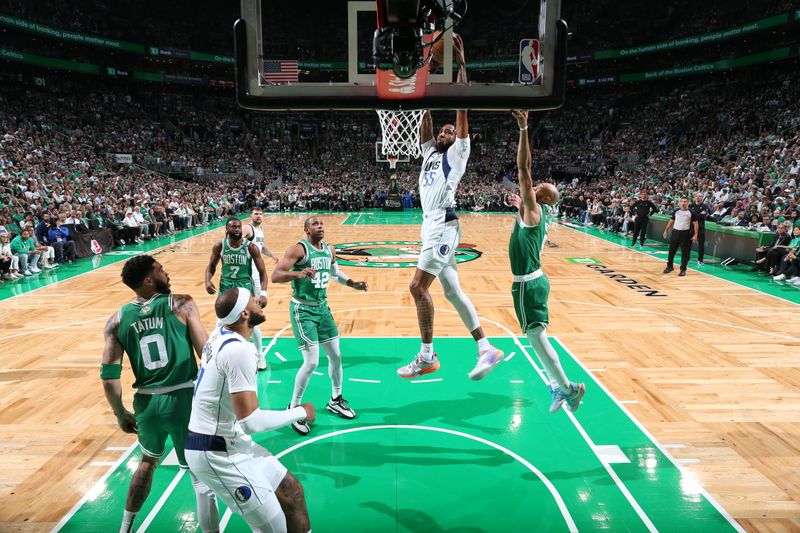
241	302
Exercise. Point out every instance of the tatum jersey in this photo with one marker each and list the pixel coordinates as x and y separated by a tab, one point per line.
315	289
237	266
157	343
525	247
440	175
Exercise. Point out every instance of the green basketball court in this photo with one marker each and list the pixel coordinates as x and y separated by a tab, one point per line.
444	454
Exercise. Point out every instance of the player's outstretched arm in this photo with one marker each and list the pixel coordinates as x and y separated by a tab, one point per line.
531	213
211	269
185	308
110	372
343	278
283	270
426	128
462	124
255	253
238	365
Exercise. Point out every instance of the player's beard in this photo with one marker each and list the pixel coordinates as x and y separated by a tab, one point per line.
162	287
442	146
255	319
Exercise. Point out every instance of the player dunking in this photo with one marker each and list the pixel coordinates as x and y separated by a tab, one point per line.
444	162
238	256
254	233
310	264
158	331
531	287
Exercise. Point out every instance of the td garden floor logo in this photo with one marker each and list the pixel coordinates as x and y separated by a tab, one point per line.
392	254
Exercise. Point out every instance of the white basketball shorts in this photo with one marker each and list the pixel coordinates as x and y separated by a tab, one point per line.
439	245
245	478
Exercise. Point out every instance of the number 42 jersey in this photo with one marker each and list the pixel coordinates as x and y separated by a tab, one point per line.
157	343
316	289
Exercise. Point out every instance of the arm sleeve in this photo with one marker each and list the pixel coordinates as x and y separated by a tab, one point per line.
338	275
238	363
458	154
263	420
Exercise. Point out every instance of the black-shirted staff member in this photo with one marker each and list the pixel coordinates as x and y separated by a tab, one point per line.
642	210
701	211
682	222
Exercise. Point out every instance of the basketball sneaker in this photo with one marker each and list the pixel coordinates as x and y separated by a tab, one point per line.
262	364
340	407
418	367
487	360
301	426
572	400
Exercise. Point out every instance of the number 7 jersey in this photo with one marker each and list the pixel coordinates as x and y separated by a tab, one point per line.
316	289
157	343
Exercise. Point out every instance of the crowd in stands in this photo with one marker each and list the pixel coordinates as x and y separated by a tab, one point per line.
197	157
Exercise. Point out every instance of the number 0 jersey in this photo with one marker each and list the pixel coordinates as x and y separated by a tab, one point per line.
313	290
157	343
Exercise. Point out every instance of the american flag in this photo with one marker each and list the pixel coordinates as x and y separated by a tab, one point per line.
280	71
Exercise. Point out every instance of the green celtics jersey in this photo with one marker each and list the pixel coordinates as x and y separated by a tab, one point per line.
157	343
525	247
237	263
316	289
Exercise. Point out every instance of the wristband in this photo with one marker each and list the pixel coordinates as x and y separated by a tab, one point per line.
264	294
524	129
110	371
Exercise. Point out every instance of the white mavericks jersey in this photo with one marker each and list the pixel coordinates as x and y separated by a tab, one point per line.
258	239
258	236
229	364
440	175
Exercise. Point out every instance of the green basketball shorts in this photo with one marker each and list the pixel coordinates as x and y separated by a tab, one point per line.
530	302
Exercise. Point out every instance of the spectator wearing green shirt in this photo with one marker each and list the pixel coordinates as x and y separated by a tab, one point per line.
24	248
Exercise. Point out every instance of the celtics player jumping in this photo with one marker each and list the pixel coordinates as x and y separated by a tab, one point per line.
310	265
238	256
158	331
531	287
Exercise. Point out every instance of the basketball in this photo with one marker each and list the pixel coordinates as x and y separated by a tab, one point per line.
437	50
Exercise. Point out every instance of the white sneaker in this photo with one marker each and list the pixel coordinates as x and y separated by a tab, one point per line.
48	266
16	275
26	273
793	280
7	276
779	277
487	360
35	270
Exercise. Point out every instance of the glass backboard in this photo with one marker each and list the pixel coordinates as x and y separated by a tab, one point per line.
319	55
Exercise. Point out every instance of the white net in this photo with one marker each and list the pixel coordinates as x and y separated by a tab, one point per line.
400	132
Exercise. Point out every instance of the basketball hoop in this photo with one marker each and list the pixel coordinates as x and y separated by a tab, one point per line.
400	133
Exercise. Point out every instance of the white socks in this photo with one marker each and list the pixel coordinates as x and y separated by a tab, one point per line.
483	345
127	522
426	352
